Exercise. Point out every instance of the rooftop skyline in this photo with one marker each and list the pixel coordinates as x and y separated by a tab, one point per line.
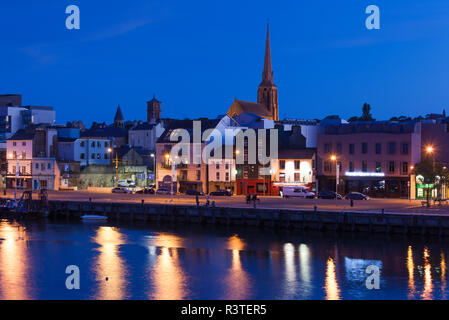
198	57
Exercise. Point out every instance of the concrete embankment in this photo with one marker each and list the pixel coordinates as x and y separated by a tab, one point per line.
265	218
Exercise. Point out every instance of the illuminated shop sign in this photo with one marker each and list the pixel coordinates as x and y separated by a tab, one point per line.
364	174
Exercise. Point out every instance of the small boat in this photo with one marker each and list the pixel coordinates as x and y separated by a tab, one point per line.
93	218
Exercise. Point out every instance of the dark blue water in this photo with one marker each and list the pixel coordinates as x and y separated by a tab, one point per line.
195	262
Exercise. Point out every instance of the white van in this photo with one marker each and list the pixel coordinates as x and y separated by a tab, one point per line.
299	192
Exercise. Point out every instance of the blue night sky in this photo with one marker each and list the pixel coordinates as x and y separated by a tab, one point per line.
196	56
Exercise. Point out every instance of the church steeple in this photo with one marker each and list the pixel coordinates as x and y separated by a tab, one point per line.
119	120
267	75
267	93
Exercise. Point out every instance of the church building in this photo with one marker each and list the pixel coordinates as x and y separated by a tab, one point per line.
267	93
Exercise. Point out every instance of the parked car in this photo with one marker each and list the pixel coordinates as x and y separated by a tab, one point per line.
329	195
298	192
221	193
121	190
356	196
146	191
193	192
163	191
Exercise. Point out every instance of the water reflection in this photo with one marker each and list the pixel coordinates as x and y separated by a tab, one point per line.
290	271
331	285
237	281
443	275
168	277
109	267
14	262
411	273
428	285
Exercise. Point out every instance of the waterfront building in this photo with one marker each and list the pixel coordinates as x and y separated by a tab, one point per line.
14	116
222	174
31	159
374	157
188	174
87	150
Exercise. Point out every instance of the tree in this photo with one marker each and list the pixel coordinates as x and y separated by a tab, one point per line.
435	174
366	114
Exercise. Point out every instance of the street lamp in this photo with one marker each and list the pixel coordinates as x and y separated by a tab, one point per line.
154	167
431	150
116	165
337	174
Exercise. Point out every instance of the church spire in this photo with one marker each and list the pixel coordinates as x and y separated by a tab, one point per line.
267	76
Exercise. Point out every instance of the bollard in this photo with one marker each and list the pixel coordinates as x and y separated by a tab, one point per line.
352	203
143	201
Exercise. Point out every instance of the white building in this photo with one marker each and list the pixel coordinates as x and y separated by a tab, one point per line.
145	135
87	151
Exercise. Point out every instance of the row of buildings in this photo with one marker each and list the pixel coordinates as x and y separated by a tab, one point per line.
373	157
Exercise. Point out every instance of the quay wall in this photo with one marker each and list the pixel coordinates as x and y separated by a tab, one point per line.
264	218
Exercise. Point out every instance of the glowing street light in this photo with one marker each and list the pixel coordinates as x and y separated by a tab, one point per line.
337	174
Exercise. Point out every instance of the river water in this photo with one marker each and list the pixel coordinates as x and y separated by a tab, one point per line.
207	262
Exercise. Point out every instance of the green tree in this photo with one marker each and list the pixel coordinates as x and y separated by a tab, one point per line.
366	113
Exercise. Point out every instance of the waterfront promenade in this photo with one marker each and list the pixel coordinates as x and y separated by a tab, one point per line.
400	206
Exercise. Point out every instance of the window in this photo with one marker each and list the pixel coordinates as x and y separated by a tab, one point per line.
217	166
92	144
82	144
218	176
392	147
351	148
351	166
327	166
24	154
106	156
405	167
327	148
14	154
82	156
405	148
98	156
198	175
297	176
364	166
339	148
99	144
378	148
378	167
391	166
14	169
37	166
92	156
14	144
282	177
42	166
227	176
106	144
24	143
364	147
49	166
297	164
282	164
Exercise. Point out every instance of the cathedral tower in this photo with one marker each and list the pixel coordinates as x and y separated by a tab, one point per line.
153	110
267	93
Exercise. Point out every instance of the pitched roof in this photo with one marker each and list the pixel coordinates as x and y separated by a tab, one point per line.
22	135
105	132
239	107
119	115
187	125
142	126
